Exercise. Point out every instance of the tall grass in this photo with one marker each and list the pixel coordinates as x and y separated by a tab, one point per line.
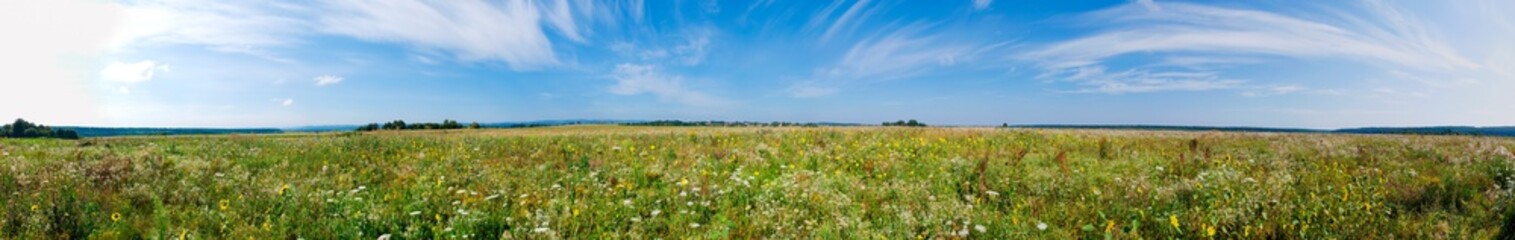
643	182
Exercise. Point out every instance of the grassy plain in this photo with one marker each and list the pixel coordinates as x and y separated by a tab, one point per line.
594	182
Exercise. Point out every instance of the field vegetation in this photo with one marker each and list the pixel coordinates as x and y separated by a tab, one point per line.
596	182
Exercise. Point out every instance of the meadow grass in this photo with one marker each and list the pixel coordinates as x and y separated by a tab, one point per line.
597	182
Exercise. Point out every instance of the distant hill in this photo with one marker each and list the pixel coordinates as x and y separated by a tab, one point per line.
547	123
1178	128
1440	130
321	128
109	131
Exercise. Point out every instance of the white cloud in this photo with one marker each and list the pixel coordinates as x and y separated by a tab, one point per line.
633	79
906	52
509	31
235	27
324	80
44	42
287	102
132	72
844	23
1095	79
981	4
1205	38
688	48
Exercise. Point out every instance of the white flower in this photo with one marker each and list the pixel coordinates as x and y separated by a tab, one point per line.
414	213
1159	168
655	212
540	230
1041	226
962	232
694	225
991	193
626	202
980	228
384	237
491	197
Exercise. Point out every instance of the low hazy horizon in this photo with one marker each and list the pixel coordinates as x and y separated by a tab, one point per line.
1317	65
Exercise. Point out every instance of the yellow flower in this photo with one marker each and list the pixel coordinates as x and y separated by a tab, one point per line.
282	188
34	207
1173	220
683	181
224	204
115	217
1210	230
1109	225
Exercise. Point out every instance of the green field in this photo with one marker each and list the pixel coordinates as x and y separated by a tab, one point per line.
595	182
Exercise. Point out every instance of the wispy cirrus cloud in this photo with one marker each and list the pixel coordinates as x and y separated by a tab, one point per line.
1197	37
841	21
511	31
235	27
634	79
904	52
325	80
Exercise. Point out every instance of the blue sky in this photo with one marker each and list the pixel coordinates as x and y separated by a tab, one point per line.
1316	64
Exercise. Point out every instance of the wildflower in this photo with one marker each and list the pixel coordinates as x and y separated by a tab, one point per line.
223	204
1041	226
980	228
992	193
384	237
491	197
115	217
1109	225
415	213
694	225
1173	220
282	188
626	202
1159	168
655	212
1210	230
34	207
683	181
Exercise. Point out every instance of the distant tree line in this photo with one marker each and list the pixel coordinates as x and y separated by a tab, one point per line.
23	129
903	123
401	125
678	123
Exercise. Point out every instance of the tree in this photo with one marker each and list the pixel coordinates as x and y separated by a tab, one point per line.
23	129
395	125
1004	125
369	127
474	125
